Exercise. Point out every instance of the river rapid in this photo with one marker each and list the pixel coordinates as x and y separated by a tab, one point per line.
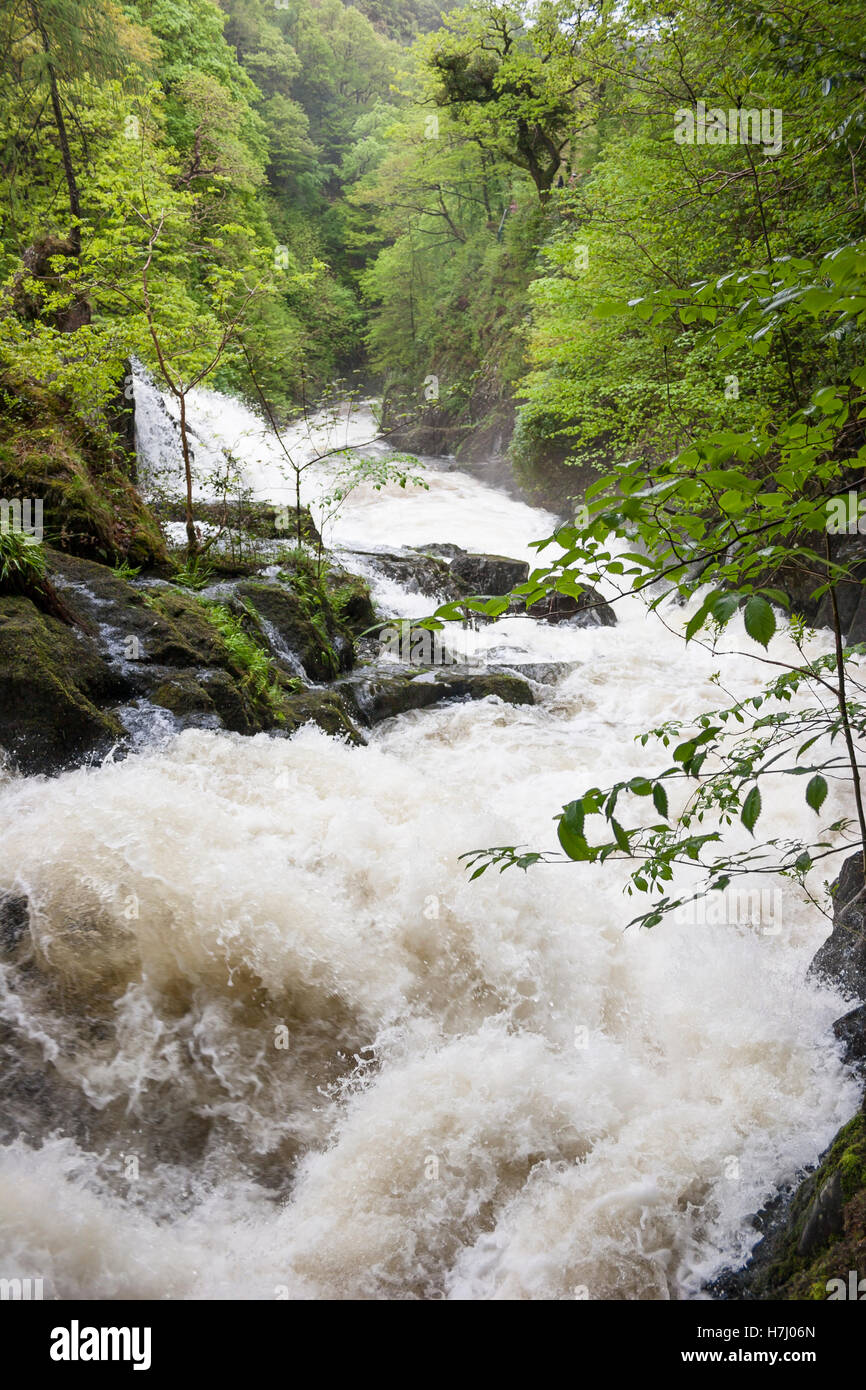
276	1045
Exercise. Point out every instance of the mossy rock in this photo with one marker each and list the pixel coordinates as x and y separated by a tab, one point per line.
349	597
83	477
52	681
183	695
187	637
304	625
237	708
183	662
820	1233
374	696
324	708
217	698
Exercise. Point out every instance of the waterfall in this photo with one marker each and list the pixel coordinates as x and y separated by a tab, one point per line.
285	1048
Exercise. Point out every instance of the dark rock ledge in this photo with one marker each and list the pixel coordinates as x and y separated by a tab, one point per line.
279	650
816	1233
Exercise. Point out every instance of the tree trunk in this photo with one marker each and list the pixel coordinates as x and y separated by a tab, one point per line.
191	537
63	136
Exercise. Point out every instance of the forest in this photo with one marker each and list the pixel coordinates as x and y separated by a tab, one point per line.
347	190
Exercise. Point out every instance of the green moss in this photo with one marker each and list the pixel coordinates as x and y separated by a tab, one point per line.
254	663
52	681
84	480
310	612
803	1255
852	1165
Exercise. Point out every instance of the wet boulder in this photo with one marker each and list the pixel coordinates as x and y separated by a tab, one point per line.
589	610
296	625
491	575
417	571
327	709
374	695
53	680
842	958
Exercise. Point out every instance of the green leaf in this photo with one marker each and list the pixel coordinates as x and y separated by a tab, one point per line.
751	809
816	792
611	309
573	816
808	744
570	831
760	619
641	786
660	800
725	607
619	835
684	752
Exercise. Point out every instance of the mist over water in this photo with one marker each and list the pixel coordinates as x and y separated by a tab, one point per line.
265	1039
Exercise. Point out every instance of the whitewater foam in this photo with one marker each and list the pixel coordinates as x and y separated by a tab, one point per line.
264	1039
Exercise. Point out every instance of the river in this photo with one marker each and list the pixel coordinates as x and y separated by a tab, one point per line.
290	1051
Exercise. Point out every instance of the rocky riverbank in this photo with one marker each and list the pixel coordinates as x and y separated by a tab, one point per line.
113	639
267	650
814	1236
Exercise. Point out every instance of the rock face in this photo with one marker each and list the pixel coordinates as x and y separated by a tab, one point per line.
813	1236
817	1233
589	610
91	506
842	958
68	693
492	575
53	682
850	1030
372	697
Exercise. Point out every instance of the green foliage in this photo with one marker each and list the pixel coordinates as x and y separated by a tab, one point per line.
249	657
204	145
718	524
641	214
194	573
22	561
126	571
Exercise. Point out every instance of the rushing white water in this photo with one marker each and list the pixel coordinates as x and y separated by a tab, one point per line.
287	1049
